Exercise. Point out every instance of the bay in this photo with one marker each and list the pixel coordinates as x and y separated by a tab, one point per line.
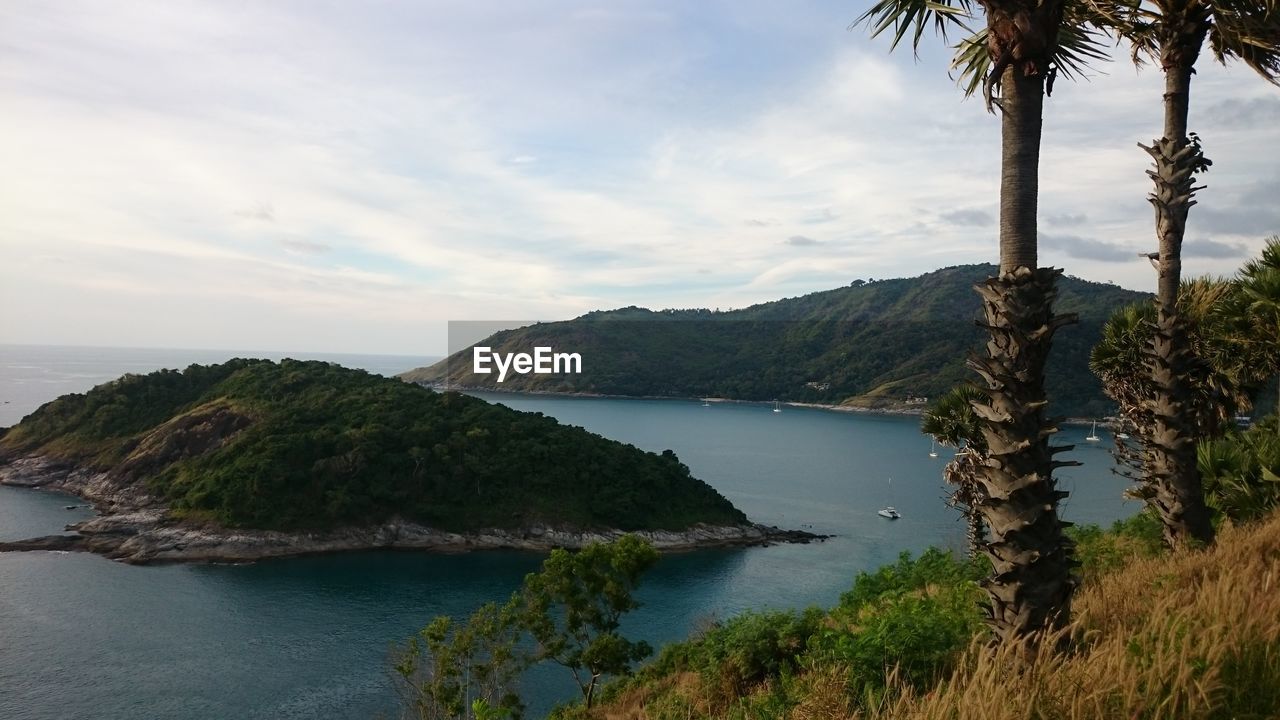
83	637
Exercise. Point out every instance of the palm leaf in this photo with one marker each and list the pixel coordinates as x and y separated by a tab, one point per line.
1080	45
1248	30
914	17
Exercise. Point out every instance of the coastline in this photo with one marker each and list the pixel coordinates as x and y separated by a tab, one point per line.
135	528
909	411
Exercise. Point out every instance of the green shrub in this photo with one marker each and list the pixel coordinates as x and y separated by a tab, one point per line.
934	567
1101	551
754	646
1241	472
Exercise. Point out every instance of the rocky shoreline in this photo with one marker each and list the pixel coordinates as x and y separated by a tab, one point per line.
898	410
135	528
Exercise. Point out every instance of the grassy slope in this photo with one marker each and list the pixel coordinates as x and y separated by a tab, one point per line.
302	445
1192	635
872	342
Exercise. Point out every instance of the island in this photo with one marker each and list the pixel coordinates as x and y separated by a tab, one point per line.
251	459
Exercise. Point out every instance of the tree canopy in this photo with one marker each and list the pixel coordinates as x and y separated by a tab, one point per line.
306	445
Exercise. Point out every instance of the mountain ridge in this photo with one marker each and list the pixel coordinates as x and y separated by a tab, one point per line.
879	344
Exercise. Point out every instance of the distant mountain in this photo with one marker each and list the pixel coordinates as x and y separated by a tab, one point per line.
880	344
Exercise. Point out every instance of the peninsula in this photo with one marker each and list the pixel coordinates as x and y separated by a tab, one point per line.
886	344
251	459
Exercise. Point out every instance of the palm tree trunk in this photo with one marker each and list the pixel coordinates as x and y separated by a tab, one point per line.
1022	105
1032	581
1170	456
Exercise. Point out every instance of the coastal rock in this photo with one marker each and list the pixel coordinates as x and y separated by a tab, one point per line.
135	528
101	488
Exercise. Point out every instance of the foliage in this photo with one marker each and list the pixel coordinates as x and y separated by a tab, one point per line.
1221	379
871	342
952	421
465	670
747	649
1256	313
933	567
304	445
1102	551
1241	472
574	606
908	621
1187	635
1245	31
1232	328
571	610
1158	634
1079	44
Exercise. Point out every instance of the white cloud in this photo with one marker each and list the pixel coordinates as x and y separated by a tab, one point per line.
347	179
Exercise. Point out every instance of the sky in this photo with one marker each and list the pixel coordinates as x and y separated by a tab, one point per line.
348	177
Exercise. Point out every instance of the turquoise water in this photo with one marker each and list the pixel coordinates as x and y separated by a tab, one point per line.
82	637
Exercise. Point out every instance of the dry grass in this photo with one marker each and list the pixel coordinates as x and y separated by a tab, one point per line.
1181	637
1187	636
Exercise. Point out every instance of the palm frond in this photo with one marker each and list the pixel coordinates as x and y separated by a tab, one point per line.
1248	30
1080	45
913	17
952	421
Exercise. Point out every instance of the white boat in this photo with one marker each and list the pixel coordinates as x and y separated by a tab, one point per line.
705	403
1093	434
1123	436
889	511
777	407
933	449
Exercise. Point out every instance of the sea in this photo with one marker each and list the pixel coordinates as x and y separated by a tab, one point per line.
313	637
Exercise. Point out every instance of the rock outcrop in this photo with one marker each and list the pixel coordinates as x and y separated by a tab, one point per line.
135	527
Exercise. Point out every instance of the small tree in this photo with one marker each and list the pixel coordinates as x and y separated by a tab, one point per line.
1227	357
953	423
1258	315
573	609
465	670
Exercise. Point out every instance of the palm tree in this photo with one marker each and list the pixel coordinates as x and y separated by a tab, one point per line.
1218	381
1172	33
953	423
1258	313
1013	60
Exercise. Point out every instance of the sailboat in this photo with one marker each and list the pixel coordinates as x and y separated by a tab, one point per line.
705	403
888	511
777	407
933	448
1093	434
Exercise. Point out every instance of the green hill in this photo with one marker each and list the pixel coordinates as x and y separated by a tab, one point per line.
309	445
872	344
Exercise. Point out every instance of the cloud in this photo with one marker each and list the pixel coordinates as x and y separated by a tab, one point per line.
261	211
801	241
308	247
968	218
1255	211
1213	249
1067	219
825	215
1087	248
376	171
1245	113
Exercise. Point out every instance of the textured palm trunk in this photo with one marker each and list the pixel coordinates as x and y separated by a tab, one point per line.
1032	581
1169	457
